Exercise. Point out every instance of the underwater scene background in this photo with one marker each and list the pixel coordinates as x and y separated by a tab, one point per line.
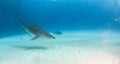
63	31
55	15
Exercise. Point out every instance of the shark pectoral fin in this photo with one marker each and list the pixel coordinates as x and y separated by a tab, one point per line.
34	38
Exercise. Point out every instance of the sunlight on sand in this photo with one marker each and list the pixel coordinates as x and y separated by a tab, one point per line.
69	48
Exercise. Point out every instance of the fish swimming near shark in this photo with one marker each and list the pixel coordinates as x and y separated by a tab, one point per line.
35	30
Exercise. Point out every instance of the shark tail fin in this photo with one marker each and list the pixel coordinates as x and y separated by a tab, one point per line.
20	20
35	24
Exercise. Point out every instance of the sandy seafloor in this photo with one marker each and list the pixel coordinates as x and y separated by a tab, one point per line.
68	48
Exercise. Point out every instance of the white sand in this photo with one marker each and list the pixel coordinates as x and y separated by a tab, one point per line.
68	48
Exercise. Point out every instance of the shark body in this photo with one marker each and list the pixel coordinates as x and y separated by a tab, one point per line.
35	30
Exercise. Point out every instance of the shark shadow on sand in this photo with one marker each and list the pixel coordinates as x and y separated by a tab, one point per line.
30	47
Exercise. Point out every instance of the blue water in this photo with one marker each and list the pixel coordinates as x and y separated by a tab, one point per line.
86	32
53	15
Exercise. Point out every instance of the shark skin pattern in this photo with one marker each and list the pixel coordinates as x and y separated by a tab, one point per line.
35	30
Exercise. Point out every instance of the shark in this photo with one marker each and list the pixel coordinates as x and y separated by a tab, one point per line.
35	30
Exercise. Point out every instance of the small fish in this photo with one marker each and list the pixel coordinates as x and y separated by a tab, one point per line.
58	32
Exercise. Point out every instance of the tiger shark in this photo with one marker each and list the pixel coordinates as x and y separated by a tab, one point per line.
35	30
